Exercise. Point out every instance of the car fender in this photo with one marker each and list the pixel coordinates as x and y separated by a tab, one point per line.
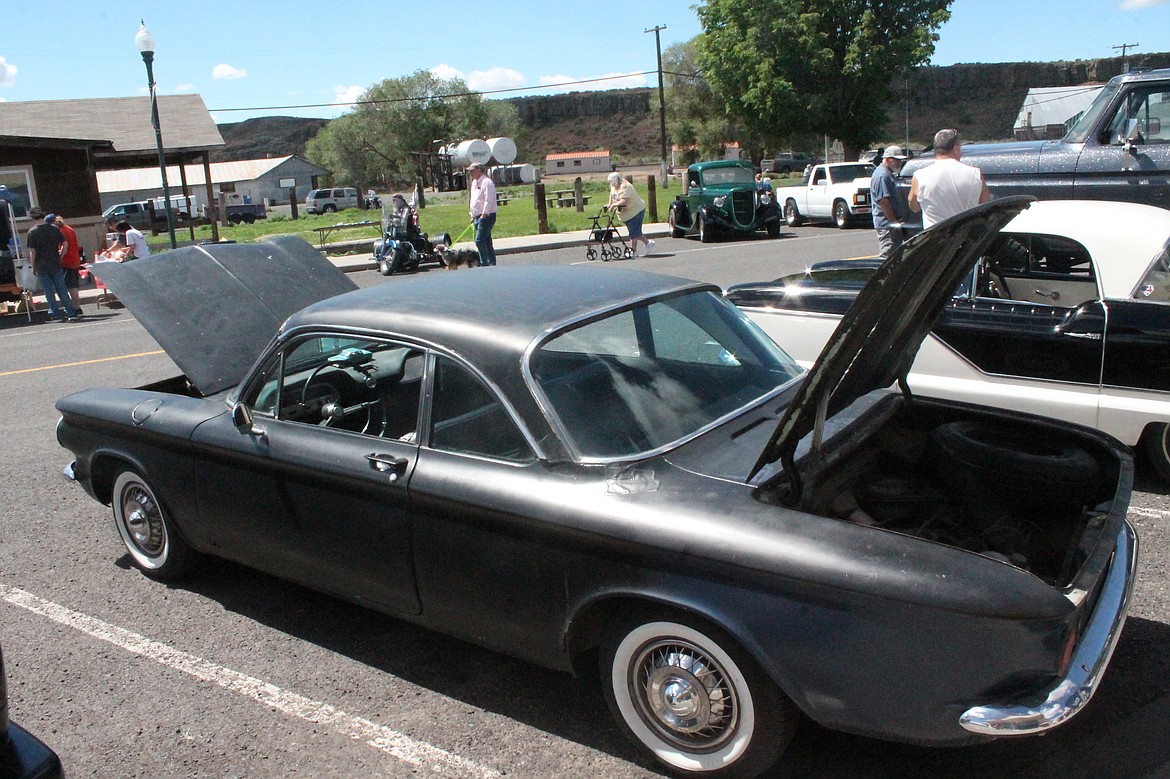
682	214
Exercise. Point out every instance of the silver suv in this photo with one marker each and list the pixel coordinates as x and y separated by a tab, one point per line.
323	201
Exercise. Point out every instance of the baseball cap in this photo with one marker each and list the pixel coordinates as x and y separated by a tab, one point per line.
895	152
50	218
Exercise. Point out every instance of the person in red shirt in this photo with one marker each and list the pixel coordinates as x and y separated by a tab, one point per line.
70	262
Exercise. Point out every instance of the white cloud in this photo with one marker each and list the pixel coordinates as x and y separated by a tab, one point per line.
1131	5
494	78
445	72
185	88
507	78
610	81
347	95
227	72
7	73
482	80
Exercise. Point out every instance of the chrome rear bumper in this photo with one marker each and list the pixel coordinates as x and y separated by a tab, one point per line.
1066	697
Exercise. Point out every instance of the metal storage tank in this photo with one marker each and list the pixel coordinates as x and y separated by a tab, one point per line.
467	152
514	174
503	150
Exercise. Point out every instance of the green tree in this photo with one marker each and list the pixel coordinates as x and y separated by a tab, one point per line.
375	142
695	113
790	67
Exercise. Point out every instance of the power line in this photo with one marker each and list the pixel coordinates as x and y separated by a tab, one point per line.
433	97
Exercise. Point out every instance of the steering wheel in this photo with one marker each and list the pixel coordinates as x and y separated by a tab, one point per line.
322	395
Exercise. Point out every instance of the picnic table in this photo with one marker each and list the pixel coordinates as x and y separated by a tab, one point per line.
325	232
562	198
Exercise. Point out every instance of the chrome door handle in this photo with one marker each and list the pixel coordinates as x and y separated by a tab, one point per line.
387	463
1048	293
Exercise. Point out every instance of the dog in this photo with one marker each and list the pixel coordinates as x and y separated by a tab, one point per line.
455	259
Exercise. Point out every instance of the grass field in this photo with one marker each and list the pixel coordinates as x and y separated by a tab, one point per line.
446	213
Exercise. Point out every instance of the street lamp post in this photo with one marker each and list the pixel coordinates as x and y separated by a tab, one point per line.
145	43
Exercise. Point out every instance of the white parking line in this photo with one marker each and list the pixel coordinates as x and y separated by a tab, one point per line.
404	748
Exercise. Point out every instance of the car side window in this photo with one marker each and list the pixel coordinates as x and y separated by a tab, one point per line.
1037	268
361	385
1150	110
819	177
467	418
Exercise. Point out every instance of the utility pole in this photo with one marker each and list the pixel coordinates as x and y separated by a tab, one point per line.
661	99
1124	48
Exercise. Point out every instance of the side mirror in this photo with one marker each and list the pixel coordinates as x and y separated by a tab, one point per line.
242	417
1133	136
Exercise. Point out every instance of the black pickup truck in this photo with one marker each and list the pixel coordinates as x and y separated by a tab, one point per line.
1118	150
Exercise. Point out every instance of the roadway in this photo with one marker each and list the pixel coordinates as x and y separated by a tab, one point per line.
234	673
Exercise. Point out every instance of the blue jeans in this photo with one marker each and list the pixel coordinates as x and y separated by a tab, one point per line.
483	239
53	285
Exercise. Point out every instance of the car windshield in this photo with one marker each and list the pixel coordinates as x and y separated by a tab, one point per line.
1083	128
729	175
850	172
645	377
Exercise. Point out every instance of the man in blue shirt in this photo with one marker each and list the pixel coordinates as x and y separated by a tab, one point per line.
883	197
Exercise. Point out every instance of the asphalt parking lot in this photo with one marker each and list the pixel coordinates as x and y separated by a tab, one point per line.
235	673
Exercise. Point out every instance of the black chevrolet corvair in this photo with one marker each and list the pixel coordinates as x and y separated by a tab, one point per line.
573	463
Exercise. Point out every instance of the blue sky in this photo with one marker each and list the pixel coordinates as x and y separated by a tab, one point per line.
266	57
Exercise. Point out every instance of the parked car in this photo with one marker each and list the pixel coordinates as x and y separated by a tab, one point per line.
786	162
607	470
22	755
1066	316
1119	149
721	198
325	201
837	192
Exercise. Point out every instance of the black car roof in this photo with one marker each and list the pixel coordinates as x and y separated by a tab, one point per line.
489	316
497	309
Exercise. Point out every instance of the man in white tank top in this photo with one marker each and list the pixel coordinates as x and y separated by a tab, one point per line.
947	187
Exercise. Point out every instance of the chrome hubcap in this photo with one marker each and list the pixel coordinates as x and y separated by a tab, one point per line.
684	694
143	521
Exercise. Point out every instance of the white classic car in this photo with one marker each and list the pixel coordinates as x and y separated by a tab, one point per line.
1068	316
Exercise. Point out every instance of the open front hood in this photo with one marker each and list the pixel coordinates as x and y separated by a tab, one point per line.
880	334
214	308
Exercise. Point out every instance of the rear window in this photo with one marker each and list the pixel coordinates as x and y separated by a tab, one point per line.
639	379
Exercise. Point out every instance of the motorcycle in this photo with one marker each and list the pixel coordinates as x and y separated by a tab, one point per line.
373	201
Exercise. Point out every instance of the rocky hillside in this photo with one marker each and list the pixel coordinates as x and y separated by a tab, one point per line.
982	100
268	136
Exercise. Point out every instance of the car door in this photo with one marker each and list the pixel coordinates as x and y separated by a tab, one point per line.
318	487
1131	159
818	194
1036	316
490	566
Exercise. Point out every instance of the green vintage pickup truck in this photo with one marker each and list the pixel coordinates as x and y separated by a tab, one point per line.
721	198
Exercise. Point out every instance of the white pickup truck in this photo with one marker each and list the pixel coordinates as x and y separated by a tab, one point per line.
838	191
